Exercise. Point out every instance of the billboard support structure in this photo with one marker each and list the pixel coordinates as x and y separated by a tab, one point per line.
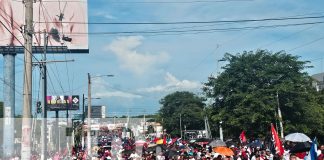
9	104
12	25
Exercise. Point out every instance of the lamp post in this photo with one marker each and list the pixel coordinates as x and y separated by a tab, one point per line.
83	116
89	111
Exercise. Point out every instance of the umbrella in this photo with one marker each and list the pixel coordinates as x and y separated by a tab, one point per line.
171	153
140	143
217	143
301	147
160	141
153	148
255	144
224	151
203	140
297	137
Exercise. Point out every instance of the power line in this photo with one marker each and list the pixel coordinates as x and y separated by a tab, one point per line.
178	2
285	37
154	2
194	22
307	43
199	30
18	41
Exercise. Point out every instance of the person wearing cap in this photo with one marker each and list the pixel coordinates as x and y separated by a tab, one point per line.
269	155
293	157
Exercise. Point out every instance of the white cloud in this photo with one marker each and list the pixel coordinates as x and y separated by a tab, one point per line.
173	84
131	59
101	89
105	15
109	94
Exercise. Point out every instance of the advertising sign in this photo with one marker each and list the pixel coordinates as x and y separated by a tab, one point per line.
98	111
55	103
66	23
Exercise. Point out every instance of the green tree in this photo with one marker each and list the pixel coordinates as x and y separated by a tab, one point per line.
186	104
245	95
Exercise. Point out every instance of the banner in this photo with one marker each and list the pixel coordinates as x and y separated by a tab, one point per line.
242	137
276	141
55	103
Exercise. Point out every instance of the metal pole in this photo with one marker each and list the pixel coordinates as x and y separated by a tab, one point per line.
221	131
83	116
280	117
27	93
89	116
8	104
180	128
206	129
44	106
144	126
58	131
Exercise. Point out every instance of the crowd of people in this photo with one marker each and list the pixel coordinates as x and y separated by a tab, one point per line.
116	147
177	149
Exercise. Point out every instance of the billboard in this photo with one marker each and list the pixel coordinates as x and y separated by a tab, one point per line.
64	21
55	103
97	111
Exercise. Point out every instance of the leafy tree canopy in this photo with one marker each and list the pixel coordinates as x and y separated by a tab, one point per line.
186	104
247	94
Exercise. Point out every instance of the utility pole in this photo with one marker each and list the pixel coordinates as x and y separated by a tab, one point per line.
280	117
89	116
44	106
27	93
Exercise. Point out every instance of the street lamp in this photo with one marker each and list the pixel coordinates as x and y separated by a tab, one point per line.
89	110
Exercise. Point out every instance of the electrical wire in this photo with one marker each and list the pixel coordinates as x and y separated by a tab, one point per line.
306	44
195	31
44	10
19	41
195	22
288	36
153	2
12	20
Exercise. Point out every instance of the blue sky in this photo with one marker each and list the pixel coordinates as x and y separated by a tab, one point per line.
148	67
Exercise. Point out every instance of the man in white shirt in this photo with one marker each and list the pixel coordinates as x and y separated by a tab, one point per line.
160	157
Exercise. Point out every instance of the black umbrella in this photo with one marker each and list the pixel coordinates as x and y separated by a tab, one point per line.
301	147
203	140
153	148
171	153
255	144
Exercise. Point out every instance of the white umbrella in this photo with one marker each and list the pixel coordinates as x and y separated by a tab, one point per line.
297	137
140	142
217	143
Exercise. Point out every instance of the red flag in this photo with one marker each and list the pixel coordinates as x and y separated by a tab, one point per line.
277	142
242	137
155	139
164	140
